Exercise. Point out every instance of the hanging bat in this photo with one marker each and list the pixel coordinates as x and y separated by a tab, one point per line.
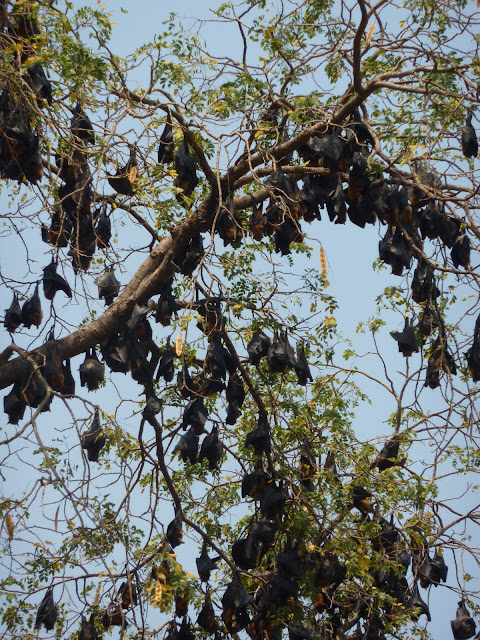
389	453
469	138
280	354
227	225
460	253
301	366
13	405
68	388
407	340
53	369
473	354
103	228
329	571
123	181
259	438
195	415
361	499
108	286
166	149
153	405
205	564
211	449
255	484
81	125
166	306
273	500
289	561
127	594
423	283
235	391
247	553
39	83
185	384
114	617
47	612
257	223
166	368
52	282
418	606
87	629
188	447
186	179
32	311
174	530
190	259
463	627
258	347
287	233
307	467
13	315
206	617
92	371
218	360
234	605
94	439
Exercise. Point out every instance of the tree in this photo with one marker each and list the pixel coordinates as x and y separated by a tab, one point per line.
191	202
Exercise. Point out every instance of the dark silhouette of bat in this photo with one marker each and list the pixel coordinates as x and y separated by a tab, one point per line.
235	391
280	354
114	617
329	571
387	456
211	449
286	233
186	179
361	499
153	405
92	371
257	223
166	148
166	306
460	253
273	500
358	133
47	612
181	605
259	438
394	250
301	366
140	326
32	311
88	630
234	605
218	360
81	125
127	594
289	561
103	228
166	368
13	405
124	180
175	531
94	439
307	467
463	627
191	257
416	603
227	226
432	571
247	552
469	138
68	380
255	484
258	347
53	369
52	282
473	354
423	283
206	617
108	286
39	83
406	339
13	315
185	384
195	415
188	446
205	564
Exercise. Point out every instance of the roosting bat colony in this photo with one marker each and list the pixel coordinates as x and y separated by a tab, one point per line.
335	169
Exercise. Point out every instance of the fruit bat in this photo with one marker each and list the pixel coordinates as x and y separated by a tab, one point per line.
93	440
47	612
127	594
235	391
398	208
205	564
68	388
166	368
20	157
87	629
195	415
153	406
257	223
58	234
258	347
282	589
190	259
228	226
92	371
108	286
469	139
32	310
289	562
463	627
265	532
103	229
448	230
270	115
233	413
13	315
81	126
423	283
140	326
52	282
280	354
358	178
207	386
285	188
473	354
259	438
218	360
330	466
140	369
432	571
460	253
308	201
166	307
53	369
415	602
124	180
299	633
166	148
287	233
254	484
186	179
234	604
301	366
247	552
188	446
113	616
407	340
307	467
14	406
394	250
388	454
206	617
335	201
358	133
38	82
425	178
361	499
185	632
181	605
211	449
185	384
212	316
329	571
273	500
426	324
116	351
174	531
30	388
432	379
